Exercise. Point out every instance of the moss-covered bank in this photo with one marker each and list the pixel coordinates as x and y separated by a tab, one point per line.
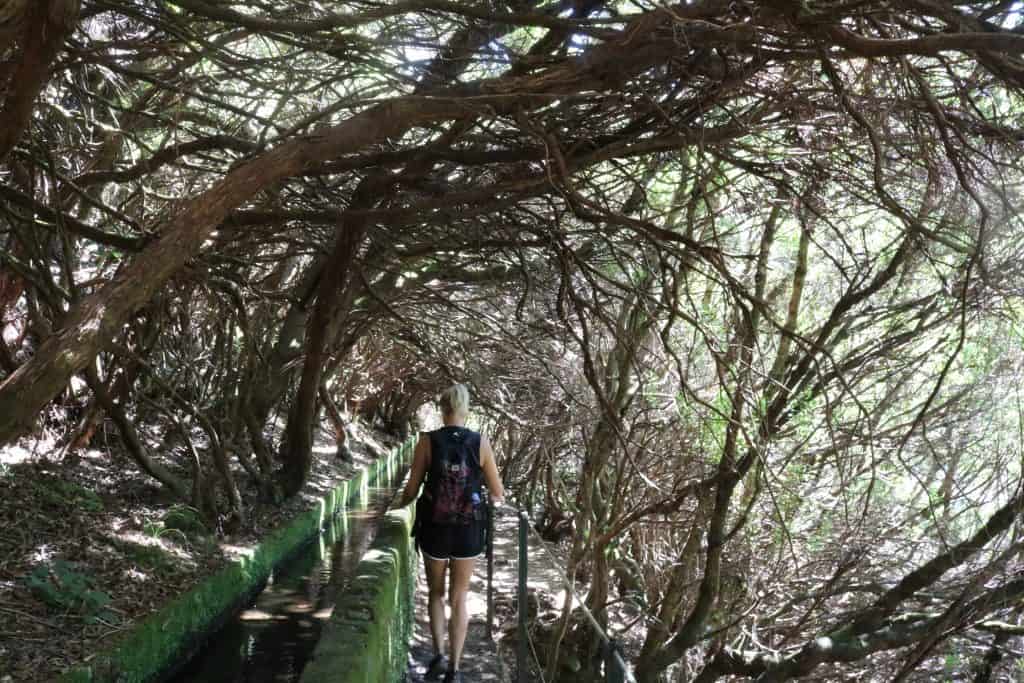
154	646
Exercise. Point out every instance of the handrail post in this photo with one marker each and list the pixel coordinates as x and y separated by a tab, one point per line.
523	603
615	668
613	672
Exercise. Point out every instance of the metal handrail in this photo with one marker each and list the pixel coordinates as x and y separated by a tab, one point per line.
522	605
615	667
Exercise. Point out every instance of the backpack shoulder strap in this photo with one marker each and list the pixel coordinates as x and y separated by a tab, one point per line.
477	476
433	474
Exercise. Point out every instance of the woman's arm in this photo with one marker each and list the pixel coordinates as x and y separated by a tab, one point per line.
491	477
420	460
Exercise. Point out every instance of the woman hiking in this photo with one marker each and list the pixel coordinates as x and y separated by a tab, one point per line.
451	520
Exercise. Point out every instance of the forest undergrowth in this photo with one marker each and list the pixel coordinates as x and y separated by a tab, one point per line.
90	546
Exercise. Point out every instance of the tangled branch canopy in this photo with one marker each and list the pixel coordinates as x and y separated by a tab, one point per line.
737	284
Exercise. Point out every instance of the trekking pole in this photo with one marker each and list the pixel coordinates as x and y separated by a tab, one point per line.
490	568
521	652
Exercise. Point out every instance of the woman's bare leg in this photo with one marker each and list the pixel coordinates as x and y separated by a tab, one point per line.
435	586
462	572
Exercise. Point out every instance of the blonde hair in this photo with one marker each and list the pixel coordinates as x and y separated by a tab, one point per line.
455	400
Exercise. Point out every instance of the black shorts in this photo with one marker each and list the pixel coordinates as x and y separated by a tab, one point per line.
444	542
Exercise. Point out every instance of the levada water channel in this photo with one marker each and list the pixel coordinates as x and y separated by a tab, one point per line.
273	638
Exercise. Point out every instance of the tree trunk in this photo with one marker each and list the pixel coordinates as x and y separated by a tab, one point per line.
297	448
46	25
272	379
254	428
338	423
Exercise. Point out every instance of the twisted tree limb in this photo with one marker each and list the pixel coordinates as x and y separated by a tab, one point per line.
47	24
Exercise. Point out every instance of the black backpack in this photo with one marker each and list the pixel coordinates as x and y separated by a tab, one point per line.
455	479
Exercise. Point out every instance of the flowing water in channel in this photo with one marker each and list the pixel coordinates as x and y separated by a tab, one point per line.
274	637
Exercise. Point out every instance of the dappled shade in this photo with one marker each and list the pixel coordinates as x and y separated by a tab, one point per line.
736	287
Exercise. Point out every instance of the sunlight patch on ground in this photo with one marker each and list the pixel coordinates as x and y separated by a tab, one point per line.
133	574
42	554
476	603
260	615
146	540
299	607
16	455
238	552
95	456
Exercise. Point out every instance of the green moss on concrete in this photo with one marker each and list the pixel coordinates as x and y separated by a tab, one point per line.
156	643
366	640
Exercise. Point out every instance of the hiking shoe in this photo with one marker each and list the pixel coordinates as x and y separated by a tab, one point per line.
453	677
438	666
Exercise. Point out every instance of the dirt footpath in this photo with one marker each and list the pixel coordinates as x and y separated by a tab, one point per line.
481	662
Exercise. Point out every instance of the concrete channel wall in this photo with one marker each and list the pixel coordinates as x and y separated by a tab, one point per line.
367	637
157	643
